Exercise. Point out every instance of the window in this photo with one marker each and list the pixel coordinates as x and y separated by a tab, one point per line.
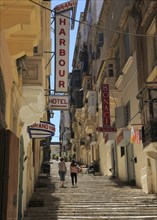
127	45
153	104
152	46
128	113
35	49
118	69
110	70
122	151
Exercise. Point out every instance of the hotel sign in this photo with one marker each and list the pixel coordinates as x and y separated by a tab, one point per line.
62	34
41	130
59	102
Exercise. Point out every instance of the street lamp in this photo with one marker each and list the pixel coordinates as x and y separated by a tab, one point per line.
51	114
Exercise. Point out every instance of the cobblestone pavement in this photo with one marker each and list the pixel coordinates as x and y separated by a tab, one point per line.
96	197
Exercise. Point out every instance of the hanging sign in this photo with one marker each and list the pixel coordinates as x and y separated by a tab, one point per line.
106	111
41	130
62	34
105	105
106	129
58	102
71	5
62	52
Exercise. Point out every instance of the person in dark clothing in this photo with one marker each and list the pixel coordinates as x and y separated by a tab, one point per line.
74	169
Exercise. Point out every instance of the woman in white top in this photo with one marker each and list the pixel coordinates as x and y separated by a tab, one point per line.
74	169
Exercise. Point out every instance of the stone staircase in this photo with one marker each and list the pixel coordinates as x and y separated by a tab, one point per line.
96	197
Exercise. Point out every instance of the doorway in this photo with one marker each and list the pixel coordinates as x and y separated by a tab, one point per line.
130	164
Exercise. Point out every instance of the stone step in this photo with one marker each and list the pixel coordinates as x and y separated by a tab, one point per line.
95	198
130	217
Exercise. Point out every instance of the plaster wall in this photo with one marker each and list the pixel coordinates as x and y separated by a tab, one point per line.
141	162
102	153
5	63
121	164
153	174
107	158
130	91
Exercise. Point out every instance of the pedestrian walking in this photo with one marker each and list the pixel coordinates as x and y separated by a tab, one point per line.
74	169
62	171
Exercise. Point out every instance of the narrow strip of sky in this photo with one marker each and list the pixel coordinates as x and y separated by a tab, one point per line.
73	33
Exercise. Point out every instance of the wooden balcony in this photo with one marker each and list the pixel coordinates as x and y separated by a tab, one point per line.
149	133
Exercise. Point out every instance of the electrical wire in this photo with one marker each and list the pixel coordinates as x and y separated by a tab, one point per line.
90	25
96	26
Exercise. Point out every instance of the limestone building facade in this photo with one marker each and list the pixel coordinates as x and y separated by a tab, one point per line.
24	77
117	46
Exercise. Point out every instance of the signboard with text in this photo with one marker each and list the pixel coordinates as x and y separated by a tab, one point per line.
58	102
41	130
62	34
105	105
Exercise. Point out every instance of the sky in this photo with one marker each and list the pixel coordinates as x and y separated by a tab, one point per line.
80	8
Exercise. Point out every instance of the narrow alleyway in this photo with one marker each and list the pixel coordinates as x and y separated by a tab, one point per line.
96	197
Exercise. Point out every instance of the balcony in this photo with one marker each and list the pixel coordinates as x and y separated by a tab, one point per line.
149	133
21	23
92	102
90	126
126	73
107	73
79	114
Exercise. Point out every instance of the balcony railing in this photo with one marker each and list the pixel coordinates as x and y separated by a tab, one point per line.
149	133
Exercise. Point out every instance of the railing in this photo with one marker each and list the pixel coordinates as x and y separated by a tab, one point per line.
149	133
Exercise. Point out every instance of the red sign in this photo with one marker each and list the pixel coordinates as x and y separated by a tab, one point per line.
105	105
66	6
62	34
62	52
106	129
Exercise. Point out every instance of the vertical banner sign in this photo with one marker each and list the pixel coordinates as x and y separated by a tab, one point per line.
105	105
62	34
62	52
